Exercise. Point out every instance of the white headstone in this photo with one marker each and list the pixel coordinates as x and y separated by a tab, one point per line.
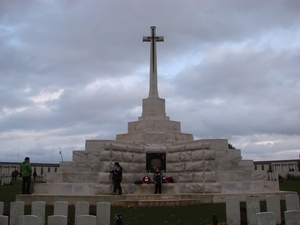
1	208
273	205
61	208
81	208
292	202
266	218
233	216
38	209
103	213
16	210
3	220
86	220
57	220
27	220
253	207
292	217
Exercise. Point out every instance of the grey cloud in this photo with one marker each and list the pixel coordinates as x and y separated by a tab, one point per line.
227	70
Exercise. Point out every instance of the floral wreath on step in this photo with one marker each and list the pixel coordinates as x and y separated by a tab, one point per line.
147	180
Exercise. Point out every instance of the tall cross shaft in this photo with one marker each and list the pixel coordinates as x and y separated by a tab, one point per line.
153	91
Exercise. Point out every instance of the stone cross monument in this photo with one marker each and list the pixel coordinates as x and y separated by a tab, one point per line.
154	126
153	90
204	170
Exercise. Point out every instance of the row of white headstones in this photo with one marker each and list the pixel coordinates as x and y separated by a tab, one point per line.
82	217
60	216
271	217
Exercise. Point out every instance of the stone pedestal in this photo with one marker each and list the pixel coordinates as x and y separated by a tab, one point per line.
154	126
202	166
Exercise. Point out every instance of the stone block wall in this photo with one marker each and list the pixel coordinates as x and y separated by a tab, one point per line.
203	166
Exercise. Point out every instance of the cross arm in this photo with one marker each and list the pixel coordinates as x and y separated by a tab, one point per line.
159	38
149	38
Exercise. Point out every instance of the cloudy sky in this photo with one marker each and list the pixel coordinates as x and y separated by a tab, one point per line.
77	70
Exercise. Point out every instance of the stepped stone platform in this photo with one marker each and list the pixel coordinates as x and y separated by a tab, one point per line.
201	166
204	171
155	200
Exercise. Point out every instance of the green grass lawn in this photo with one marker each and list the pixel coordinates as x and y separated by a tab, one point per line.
196	214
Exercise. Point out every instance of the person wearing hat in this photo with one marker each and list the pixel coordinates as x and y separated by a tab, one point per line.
25	171
117	178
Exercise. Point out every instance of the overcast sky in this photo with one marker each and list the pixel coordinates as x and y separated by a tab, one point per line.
77	70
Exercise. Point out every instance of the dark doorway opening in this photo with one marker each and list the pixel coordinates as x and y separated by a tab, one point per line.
155	161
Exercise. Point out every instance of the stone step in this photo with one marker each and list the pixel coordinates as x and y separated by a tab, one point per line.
156	203
157	197
162	200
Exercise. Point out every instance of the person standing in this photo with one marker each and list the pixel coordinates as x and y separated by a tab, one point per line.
34	174
117	178
157	178
25	171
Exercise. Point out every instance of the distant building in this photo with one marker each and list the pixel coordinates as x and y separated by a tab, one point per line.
278	166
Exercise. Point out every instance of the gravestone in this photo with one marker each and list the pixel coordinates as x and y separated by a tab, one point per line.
266	218
16	210
273	205
292	202
57	220
253	207
81	208
86	219
3	220
27	220
292	217
1	208
38	209
103	213
233	216
61	208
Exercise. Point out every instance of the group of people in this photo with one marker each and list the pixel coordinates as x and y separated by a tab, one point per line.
117	172
117	179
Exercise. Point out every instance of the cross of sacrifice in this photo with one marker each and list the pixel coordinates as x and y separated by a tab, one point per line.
153	91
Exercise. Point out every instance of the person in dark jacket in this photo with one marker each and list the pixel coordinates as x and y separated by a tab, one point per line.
117	178
34	174
14	174
25	171
157	178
